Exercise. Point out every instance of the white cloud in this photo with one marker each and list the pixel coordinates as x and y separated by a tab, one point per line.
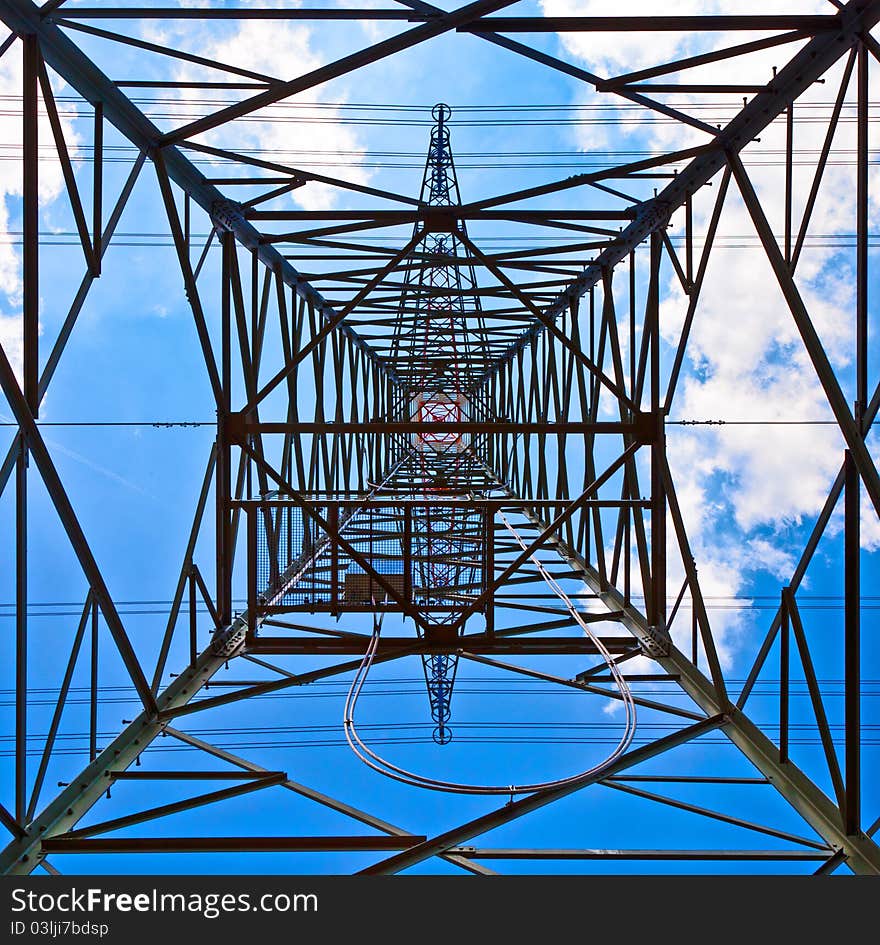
743	489
282	50
12	343
613	707
51	184
608	53
749	361
769	557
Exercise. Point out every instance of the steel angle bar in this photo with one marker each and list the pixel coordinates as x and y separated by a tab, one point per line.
699	605
728	52
30	251
652	23
852	648
67	168
229	13
513	853
165	50
638	428
816	699
831	864
297	174
695	290
228	844
443	218
88	279
192	775
529	52
21	629
275	685
192	292
581	684
798	576
185	566
176	807
716	815
10	823
59	709
823	159
578	180
471	643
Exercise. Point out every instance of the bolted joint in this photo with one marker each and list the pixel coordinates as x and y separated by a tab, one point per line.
227	214
648	427
228	642
234	426
656	643
439	219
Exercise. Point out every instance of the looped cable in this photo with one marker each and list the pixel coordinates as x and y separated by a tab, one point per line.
389	770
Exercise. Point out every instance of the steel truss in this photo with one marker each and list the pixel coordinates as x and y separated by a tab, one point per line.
550	363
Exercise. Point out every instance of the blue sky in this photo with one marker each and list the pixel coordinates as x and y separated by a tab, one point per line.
749	497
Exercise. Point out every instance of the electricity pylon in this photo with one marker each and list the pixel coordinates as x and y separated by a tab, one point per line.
431	412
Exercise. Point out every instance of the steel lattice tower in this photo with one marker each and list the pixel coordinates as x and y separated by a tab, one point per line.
438	337
436	450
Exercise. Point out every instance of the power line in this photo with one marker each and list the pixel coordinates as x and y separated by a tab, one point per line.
735	423
162	424
426	742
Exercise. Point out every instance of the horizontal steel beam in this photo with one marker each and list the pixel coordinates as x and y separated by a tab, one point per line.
475	643
227	844
138	775
642	429
441	217
349	501
649	24
488	853
233	13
